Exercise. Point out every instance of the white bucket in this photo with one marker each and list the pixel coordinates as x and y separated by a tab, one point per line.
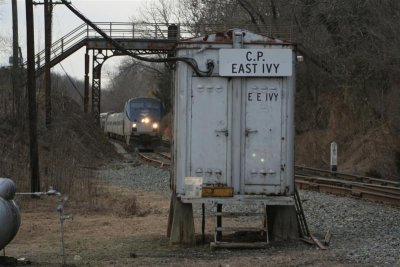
193	186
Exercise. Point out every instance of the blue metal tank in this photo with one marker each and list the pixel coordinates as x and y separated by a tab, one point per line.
10	218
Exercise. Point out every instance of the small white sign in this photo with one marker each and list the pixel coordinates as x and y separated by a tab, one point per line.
255	62
334	154
193	186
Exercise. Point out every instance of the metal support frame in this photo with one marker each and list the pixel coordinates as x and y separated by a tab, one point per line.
83	35
86	93
203	223
219	222
98	59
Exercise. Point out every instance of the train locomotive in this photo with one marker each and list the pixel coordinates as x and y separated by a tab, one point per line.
139	121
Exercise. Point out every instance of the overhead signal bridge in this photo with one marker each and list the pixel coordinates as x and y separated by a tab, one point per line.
139	38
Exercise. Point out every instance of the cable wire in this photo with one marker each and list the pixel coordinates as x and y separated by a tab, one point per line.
190	61
71	81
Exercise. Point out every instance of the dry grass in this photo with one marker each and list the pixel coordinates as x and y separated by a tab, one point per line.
69	151
108	238
121	225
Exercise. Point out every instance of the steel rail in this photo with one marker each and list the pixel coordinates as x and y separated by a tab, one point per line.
357	187
345	176
363	190
151	157
165	155
335	181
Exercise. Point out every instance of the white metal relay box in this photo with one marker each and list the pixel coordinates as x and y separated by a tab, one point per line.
235	128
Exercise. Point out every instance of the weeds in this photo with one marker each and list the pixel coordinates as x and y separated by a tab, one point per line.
373	173
68	152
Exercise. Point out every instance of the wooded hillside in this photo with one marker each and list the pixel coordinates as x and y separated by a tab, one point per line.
347	86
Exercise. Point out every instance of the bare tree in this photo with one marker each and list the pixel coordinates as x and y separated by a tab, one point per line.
5	47
5	74
161	11
350	49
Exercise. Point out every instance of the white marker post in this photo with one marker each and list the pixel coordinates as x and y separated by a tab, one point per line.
334	151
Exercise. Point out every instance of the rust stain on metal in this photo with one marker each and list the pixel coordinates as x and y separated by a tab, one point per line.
223	37
216	191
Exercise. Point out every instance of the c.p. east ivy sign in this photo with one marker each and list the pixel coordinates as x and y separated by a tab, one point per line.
255	62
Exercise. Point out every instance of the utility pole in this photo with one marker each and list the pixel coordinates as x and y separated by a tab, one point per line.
32	114
48	10
48	14
15	62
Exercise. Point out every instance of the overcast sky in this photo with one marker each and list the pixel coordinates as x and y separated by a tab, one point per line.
65	21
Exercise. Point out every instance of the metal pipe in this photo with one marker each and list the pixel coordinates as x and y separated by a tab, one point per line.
62	239
50	192
203	223
60	209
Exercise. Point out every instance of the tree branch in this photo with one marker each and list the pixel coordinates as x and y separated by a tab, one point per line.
247	7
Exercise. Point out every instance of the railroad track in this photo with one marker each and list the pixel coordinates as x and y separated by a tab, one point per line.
367	188
166	142
161	159
324	181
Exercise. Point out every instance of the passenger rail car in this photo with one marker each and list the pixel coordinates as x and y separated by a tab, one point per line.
103	118
140	120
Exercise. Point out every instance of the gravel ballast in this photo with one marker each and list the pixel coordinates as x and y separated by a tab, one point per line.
362	233
135	175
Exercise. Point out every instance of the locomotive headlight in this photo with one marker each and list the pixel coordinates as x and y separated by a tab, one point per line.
155	125
134	125
145	120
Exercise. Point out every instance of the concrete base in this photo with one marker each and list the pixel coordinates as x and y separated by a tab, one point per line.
171	213
180	223
282	223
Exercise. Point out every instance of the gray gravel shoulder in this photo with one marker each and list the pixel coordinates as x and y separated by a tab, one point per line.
135	175
132	173
363	233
